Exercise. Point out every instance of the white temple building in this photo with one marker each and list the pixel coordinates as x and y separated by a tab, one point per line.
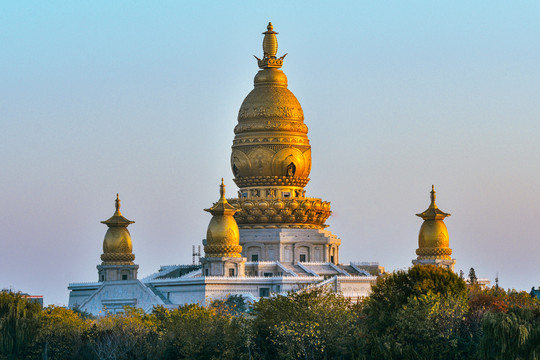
270	239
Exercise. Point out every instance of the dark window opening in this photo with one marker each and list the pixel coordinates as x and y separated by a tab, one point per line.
286	194
264	292
266	274
332	259
231	272
102	277
206	272
124	277
303	258
255	257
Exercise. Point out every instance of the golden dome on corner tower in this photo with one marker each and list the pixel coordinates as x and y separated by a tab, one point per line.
433	241
271	147
222	236
117	245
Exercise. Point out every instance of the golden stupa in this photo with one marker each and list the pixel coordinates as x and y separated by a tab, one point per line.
271	154
433	242
117	246
222	236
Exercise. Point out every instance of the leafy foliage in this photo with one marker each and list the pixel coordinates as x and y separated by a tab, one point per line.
423	313
61	333
197	332
284	324
131	334
19	324
415	314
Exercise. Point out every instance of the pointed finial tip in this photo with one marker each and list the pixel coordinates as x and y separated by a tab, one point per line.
432	187
222	189
117	202
270	26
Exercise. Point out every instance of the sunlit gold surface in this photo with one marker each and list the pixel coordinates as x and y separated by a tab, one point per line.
117	245
222	236
271	154
433	242
299	213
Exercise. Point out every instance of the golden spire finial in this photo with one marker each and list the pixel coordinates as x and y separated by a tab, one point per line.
270	46
270	43
222	190
433	212
117	203
117	219
222	206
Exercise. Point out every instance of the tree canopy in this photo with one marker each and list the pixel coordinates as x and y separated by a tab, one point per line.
421	313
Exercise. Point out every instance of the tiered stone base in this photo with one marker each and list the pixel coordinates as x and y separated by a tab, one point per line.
297	213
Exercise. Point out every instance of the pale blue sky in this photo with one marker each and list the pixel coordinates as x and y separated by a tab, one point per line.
141	98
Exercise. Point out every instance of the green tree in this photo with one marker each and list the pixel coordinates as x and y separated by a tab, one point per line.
234	305
434	296
428	327
315	324
512	335
193	331
19	324
129	335
472	277
61	333
298	340
393	291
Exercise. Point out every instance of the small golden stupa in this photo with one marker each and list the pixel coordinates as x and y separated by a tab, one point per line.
271	154
433	242
222	236
117	246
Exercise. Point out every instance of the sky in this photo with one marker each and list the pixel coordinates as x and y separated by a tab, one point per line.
141	98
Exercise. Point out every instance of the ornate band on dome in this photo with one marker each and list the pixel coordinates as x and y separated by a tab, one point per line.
278	123
282	226
222	250
117	258
244	182
433	251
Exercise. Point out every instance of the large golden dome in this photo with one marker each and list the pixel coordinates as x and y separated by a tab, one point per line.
117	245
271	135
271	154
433	242
222	236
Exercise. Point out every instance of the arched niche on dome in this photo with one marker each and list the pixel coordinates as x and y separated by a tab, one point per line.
260	162
240	163
281	163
